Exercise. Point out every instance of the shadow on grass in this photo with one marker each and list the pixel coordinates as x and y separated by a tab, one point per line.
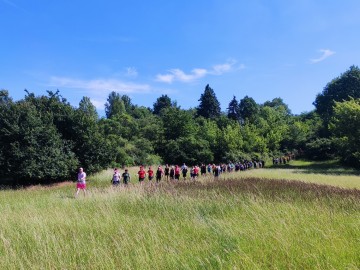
319	167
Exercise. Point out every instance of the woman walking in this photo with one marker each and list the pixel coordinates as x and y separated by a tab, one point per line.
81	182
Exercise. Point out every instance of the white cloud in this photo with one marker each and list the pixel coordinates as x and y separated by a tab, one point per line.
183	77
223	68
179	75
197	73
99	104
167	78
98	89
99	85
325	54
131	72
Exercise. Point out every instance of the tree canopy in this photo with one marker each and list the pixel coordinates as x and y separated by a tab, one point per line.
340	89
44	138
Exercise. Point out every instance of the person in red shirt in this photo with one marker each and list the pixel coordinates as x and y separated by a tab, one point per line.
150	173
142	175
196	171
177	172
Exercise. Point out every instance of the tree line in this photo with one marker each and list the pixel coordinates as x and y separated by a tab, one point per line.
44	138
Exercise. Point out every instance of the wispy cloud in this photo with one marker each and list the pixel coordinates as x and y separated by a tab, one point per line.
99	85
131	72
196	73
179	75
99	89
325	54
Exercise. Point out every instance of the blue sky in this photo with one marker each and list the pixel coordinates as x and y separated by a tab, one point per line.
260	48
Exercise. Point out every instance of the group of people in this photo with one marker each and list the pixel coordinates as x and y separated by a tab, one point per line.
173	172
176	172
283	159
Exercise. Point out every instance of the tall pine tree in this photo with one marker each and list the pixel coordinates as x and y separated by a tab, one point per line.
233	111
209	106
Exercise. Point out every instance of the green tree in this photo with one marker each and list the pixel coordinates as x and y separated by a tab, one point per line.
114	105
303	129
90	145
342	88
345	127
127	103
209	106
31	145
231	144
276	103
4	97
161	103
233	111
177	123
254	140
248	109
273	125
88	108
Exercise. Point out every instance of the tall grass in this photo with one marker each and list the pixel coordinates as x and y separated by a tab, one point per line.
328	173
247	223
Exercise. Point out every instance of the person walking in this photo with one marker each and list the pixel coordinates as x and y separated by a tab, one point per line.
177	172
184	170
159	174
116	177
142	174
167	172
172	173
81	182
126	177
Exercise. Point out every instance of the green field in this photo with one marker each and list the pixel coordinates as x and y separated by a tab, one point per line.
244	221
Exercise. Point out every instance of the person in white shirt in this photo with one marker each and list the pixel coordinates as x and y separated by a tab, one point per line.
81	182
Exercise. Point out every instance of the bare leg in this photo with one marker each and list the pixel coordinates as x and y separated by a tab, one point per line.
77	192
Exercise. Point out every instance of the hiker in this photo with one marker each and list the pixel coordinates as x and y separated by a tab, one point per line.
217	172
172	173
177	172
81	182
150	174
192	173
196	171
116	178
184	170
209	168
142	175
126	177
167	172
159	174
203	169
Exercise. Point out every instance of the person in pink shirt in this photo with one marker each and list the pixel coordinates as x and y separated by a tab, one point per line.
177	172
81	182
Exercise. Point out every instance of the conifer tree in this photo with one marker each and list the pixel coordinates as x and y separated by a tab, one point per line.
209	106
233	111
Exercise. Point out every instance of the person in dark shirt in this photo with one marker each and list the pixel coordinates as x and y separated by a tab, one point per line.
159	174
125	177
167	172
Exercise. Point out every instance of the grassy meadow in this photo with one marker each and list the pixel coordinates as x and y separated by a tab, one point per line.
249	220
